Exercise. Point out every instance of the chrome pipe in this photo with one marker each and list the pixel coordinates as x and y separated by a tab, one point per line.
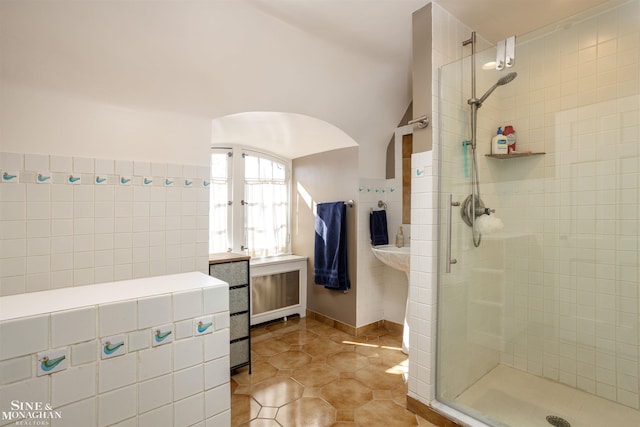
473	101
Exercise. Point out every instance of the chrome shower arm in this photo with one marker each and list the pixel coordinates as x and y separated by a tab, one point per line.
486	95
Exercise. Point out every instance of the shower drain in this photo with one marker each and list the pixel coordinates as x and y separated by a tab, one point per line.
557	421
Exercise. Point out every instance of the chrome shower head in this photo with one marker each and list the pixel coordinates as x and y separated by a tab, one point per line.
507	79
501	82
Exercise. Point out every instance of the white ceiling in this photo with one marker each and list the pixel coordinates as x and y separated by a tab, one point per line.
498	19
343	62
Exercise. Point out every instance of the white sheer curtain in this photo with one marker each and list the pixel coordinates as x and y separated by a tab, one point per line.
219	208
266	206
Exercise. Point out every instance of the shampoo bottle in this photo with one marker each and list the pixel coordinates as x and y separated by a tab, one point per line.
400	238
499	143
510	133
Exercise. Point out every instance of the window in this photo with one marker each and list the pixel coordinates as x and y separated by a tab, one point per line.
250	209
266	206
219	219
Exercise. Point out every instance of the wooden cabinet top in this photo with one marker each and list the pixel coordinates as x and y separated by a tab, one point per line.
223	257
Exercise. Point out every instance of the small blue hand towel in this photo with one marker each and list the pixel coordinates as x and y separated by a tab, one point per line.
330	251
378	228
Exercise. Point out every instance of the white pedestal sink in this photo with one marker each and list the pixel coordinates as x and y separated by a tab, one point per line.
398	258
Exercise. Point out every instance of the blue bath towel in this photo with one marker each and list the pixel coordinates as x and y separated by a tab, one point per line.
330	251
378	228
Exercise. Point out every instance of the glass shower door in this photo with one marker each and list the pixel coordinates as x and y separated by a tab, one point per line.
540	323
471	299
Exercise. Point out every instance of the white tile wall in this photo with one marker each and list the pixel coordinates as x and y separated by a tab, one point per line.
13	333
82	413
31	390
188	382
188	411
139	340
131	422
11	161
221	321
214	302
154	311
184	329
84	353
60	235
118	318
124	167
16	369
117	372
187	305
214	372
145	386
155	393
217	400
156	417
117	405
188	352
221	419
155	361
73	384
214	344
73	326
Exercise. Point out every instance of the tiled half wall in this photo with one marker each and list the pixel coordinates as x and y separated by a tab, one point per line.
107	364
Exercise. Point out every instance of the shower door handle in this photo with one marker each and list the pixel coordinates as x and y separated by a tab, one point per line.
448	260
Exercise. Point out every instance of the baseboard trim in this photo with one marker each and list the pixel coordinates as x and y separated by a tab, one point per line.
426	412
352	330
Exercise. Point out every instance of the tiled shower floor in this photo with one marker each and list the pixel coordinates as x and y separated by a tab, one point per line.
306	373
520	399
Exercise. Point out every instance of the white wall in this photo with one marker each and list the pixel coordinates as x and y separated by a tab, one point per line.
369	304
319	178
383	290
40	122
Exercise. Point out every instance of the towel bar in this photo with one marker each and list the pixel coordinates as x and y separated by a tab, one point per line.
422	121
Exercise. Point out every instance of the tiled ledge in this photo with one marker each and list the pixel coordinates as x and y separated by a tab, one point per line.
31	304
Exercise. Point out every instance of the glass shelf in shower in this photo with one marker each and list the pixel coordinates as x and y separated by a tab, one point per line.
513	155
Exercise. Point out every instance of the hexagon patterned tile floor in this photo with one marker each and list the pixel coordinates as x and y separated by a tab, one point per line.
306	373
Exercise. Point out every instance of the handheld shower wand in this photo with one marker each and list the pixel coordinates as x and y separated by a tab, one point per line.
501	82
473	206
